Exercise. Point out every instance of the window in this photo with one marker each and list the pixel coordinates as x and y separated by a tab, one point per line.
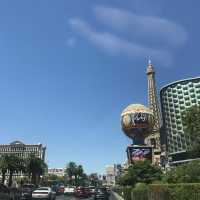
181	102
179	91
192	90
187	104
187	98
198	86
179	127
193	101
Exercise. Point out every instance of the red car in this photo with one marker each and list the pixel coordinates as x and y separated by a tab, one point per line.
82	192
61	190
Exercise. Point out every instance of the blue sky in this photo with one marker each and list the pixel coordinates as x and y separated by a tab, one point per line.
68	69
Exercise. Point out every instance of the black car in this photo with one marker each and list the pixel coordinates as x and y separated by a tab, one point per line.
4	192
27	190
101	193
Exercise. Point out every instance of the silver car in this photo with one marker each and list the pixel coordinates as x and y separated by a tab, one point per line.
44	193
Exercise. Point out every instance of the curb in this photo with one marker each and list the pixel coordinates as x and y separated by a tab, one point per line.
117	196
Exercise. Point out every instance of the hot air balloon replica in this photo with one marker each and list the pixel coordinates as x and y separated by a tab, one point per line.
137	123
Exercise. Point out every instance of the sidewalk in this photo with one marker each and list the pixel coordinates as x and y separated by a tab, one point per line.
116	196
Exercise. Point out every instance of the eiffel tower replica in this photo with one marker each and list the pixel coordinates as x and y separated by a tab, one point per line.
153	104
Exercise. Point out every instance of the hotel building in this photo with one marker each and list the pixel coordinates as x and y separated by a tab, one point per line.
175	98
23	150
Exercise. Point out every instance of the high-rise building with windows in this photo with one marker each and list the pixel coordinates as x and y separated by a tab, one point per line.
175	98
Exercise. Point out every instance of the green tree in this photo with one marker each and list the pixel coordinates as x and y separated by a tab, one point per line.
94	180
35	168
3	166
14	165
141	172
185	173
191	123
79	175
71	171
75	173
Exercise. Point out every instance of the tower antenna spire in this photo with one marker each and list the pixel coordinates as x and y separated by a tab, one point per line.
149	61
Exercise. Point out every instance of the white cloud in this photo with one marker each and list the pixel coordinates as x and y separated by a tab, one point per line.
145	27
115	45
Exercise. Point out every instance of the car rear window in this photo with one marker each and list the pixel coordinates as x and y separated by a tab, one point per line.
43	189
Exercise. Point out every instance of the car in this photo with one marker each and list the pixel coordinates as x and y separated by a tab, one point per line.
69	190
82	192
108	189
26	191
101	193
61	189
87	191
44	193
4	192
92	189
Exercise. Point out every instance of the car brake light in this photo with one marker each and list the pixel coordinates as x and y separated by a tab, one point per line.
40	192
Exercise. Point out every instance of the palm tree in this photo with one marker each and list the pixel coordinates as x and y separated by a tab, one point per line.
79	170
14	164
35	168
3	166
78	174
71	171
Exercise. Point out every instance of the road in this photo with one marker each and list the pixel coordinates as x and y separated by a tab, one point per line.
62	197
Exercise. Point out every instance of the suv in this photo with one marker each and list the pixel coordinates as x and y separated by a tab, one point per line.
27	190
101	193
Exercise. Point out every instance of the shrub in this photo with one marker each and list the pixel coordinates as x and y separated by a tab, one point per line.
127	193
183	191
185	173
140	192
142	172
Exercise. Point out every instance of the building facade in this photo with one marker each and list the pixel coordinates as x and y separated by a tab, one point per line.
175	98
111	173
23	150
56	171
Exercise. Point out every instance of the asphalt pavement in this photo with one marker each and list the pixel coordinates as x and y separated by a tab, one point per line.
65	197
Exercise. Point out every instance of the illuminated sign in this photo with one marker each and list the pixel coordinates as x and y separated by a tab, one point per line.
139	153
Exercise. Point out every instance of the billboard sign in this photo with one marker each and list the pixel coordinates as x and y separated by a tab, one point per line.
139	153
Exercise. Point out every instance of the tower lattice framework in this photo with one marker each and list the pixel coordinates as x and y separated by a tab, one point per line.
154	106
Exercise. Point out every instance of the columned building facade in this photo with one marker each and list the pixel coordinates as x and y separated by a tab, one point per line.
23	150
56	171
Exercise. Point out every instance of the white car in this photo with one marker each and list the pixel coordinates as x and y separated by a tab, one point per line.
44	193
69	190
